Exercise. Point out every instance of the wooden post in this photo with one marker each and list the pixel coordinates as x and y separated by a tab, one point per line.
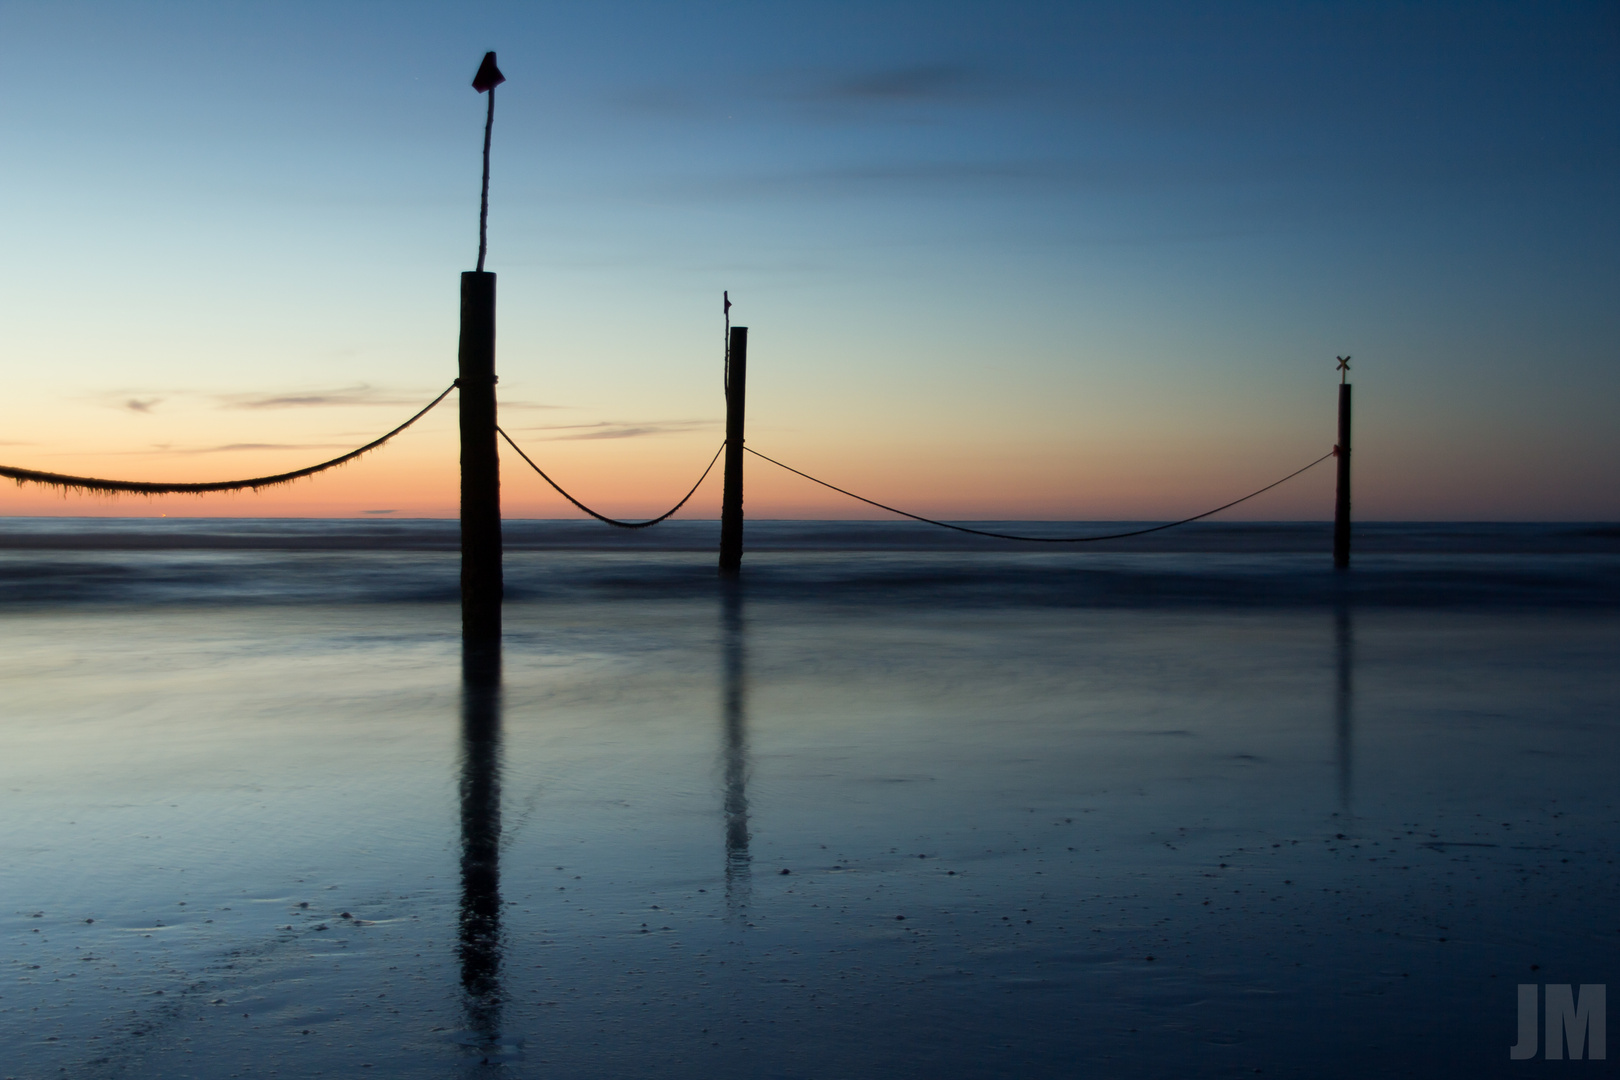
480	463
1341	502
731	503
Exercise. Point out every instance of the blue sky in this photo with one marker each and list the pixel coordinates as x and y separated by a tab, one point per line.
1057	260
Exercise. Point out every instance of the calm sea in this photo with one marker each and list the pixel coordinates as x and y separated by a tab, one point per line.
903	803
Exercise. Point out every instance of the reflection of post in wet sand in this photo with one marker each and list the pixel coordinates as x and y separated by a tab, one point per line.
734	725
1343	699
480	929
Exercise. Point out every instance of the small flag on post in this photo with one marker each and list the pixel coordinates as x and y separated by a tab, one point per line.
489	76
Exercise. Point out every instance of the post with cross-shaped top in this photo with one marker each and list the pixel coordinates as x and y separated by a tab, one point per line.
1341	500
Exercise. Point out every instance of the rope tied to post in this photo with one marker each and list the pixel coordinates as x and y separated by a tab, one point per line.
137	487
615	522
1043	539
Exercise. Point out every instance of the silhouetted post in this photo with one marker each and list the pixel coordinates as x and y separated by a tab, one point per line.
1341	501
731	503
480	460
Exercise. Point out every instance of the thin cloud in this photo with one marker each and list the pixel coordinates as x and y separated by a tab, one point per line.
614	433
231	447
128	400
911	174
361	394
910	178
833	94
616	430
379	511
912	83
225	448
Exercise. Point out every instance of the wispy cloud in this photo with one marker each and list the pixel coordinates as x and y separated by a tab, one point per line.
128	400
361	394
608	429
1224	189
225	448
379	511
909	176
909	83
921	82
229	447
614	433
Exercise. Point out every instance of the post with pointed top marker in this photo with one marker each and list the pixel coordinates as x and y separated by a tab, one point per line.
1341	501
481	584
731	502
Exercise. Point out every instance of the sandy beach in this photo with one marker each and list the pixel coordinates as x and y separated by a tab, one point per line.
843	821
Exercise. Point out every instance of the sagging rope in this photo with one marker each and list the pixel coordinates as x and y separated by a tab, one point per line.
603	517
87	483
1044	539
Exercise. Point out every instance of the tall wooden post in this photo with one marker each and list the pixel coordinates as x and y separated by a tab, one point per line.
731	503
1341	502
480	463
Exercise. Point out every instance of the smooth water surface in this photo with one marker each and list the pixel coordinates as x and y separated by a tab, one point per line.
877	813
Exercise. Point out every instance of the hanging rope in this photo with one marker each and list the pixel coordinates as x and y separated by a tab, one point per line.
86	483
602	517
1044	539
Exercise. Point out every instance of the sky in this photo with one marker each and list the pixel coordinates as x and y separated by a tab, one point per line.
1082	261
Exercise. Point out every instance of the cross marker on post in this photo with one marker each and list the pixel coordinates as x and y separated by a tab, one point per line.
1341	498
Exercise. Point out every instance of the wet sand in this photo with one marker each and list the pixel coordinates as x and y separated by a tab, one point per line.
799	831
